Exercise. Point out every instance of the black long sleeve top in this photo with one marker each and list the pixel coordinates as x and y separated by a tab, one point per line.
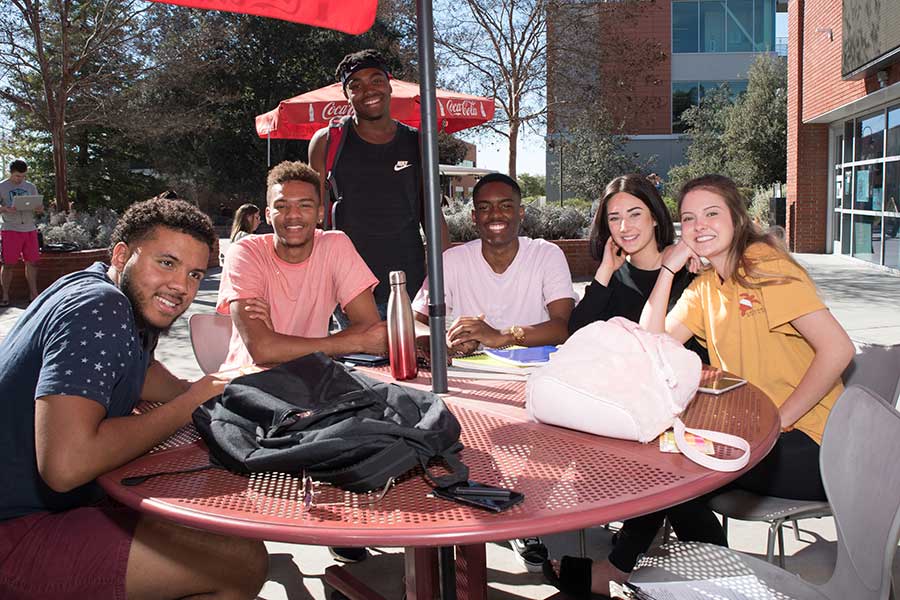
625	296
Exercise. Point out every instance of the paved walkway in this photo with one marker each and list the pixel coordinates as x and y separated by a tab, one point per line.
862	298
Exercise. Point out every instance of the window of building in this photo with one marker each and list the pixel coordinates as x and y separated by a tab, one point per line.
723	26
685	26
689	93
866	218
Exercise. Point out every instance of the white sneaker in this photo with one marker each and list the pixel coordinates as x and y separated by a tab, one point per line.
530	552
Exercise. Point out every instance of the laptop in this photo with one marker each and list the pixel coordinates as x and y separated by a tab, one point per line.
28	202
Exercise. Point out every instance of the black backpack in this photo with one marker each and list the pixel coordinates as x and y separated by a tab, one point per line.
340	426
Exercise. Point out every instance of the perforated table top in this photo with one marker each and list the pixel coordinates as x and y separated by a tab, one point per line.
570	479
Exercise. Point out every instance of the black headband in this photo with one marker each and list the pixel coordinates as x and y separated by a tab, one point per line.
366	63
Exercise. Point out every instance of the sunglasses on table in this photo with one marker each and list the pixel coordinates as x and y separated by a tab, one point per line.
308	492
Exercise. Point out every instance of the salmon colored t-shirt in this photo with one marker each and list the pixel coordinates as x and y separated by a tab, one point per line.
302	296
748	331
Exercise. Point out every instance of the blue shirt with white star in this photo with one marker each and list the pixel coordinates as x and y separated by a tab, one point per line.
78	338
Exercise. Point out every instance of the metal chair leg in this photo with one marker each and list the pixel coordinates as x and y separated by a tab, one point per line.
770	544
725	527
582	543
781	544
796	529
667	530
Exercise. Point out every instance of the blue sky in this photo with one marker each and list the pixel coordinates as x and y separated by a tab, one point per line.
493	151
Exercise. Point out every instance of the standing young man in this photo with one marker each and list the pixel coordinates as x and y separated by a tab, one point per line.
376	180
502	289
75	364
18	231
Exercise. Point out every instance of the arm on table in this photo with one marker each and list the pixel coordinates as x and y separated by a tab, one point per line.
367	333
161	385
834	351
552	331
75	442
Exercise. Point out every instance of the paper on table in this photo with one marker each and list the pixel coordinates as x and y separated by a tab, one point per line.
741	587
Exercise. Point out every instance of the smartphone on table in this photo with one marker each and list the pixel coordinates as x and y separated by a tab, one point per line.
488	497
364	360
722	385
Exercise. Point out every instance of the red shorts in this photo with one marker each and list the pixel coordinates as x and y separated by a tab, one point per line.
20	243
76	554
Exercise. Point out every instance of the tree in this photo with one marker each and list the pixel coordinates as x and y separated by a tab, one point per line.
594	153
706	124
497	48
532	185
756	135
64	63
744	138
451	150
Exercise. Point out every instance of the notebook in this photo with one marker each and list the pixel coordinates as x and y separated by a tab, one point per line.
520	356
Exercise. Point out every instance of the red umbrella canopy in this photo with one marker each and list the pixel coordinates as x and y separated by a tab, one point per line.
350	16
301	116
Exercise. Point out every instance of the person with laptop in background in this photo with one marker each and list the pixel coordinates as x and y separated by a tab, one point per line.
18	232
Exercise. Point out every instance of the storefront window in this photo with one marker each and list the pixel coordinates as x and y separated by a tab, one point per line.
893	134
869	193
870	136
848	141
740	25
867	238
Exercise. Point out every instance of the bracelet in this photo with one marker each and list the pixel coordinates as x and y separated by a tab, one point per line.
663	265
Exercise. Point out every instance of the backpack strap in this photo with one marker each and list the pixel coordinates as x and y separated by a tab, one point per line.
334	143
459	471
727	465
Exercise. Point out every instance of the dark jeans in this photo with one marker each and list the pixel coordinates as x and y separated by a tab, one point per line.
343	322
790	470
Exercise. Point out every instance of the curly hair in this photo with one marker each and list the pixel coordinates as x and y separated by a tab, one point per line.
142	218
293	171
359	60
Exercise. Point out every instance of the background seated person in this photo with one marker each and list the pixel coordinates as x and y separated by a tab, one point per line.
281	288
501	289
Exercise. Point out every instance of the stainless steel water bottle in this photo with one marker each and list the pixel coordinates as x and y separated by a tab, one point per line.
401	330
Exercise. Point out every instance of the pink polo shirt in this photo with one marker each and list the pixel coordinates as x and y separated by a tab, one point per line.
302	296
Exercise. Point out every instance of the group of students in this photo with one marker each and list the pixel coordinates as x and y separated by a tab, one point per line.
81	356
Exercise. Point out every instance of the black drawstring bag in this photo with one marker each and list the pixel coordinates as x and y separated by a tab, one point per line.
341	427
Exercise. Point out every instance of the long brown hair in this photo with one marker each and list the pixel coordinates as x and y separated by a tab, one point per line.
242	219
641	188
746	233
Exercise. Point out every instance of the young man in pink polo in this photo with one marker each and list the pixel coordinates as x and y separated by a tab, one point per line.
503	289
19	233
280	289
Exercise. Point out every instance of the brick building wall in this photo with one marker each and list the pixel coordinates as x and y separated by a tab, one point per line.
815	87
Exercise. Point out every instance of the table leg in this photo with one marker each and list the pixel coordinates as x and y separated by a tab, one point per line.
471	572
421	573
340	579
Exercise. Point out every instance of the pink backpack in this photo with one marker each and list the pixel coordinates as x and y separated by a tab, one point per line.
614	379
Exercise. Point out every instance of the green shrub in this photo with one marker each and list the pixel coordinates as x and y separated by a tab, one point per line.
551	222
458	214
759	208
672	205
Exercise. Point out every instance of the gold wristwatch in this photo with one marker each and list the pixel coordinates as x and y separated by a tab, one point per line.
518	333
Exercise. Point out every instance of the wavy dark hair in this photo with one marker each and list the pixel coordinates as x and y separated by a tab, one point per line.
641	188
142	218
242	219
746	233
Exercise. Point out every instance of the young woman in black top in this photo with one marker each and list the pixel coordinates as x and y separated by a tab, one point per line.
631	228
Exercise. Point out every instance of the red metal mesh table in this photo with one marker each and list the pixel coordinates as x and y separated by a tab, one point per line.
571	480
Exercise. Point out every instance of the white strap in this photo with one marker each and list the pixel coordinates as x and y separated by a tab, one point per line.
710	462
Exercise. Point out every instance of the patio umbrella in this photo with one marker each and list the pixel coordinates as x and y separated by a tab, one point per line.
301	116
356	16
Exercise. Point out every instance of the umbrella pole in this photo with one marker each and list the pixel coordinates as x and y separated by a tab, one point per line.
437	309
269	149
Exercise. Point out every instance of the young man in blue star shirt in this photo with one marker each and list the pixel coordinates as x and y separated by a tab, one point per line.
74	366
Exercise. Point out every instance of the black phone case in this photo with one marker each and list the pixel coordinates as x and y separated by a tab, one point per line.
483	502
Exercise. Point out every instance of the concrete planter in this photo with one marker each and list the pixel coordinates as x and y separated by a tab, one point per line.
52	266
578	255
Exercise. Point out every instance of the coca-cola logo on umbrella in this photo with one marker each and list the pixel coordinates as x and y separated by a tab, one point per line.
462	108
335	109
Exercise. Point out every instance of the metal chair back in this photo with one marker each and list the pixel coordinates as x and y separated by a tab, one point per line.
210	336
860	463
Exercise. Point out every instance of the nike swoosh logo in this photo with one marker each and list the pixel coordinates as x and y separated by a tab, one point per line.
401	166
